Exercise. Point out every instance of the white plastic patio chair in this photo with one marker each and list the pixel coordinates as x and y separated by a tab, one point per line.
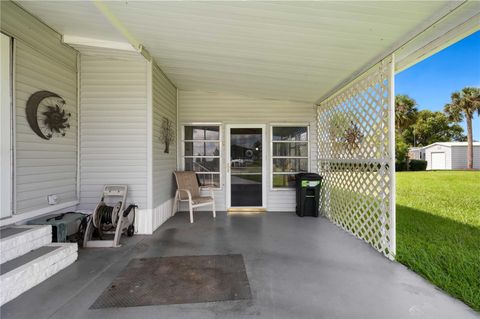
189	191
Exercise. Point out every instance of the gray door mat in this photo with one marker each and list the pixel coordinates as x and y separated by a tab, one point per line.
177	280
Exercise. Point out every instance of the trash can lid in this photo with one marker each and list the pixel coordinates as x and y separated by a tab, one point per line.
308	176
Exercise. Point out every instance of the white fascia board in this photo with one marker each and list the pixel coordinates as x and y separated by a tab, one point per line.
452	28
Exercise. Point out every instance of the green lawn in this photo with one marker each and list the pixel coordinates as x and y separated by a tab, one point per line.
438	229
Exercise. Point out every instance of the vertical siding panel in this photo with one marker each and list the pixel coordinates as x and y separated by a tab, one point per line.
476	156
113	131
457	158
164	106
460	157
448	157
197	107
42	62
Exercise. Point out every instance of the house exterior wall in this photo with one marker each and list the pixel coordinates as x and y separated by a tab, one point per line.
113	130
414	154
123	100
41	62
438	149
164	106
202	107
459	157
417	154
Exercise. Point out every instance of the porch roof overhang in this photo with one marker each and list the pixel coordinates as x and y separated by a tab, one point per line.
280	50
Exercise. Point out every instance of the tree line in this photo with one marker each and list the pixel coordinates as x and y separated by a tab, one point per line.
421	128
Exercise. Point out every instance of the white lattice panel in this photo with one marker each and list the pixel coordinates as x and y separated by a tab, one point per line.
356	157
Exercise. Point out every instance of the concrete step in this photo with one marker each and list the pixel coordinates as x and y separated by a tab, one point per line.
24	272
18	240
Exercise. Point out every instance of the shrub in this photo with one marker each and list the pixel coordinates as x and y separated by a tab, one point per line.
417	165
400	166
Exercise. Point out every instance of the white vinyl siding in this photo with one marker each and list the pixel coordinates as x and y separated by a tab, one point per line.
202	107
42	62
459	157
113	132
23	26
164	106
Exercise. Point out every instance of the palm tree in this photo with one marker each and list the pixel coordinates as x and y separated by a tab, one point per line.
465	104
405	112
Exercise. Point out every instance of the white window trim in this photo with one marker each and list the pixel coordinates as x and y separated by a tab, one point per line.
271	173
219	141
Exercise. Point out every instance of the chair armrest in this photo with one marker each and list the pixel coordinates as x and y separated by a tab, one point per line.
188	193
211	192
208	189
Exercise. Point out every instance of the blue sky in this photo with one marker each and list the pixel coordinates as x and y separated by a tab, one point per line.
432	81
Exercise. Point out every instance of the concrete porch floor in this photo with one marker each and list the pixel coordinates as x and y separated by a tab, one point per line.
297	268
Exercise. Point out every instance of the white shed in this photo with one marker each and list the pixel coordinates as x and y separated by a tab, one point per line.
450	155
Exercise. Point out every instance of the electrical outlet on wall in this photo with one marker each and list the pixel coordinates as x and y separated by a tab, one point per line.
52	199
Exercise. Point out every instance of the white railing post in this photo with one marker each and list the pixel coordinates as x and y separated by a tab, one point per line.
391	135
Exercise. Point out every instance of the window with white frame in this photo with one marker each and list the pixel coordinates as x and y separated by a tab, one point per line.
201	153
290	154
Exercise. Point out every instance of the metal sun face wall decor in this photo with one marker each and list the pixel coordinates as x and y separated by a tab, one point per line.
167	134
46	114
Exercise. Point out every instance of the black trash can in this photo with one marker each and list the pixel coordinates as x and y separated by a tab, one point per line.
308	194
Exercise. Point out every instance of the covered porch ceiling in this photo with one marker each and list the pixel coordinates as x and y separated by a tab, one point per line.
279	50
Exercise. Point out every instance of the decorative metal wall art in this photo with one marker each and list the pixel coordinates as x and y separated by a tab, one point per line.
167	134
46	114
353	137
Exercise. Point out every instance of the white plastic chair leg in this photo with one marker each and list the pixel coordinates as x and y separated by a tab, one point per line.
175	204
191	212
213	209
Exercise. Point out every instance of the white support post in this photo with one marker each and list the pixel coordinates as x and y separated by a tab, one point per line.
391	136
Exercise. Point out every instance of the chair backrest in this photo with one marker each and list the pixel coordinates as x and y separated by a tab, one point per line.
187	180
